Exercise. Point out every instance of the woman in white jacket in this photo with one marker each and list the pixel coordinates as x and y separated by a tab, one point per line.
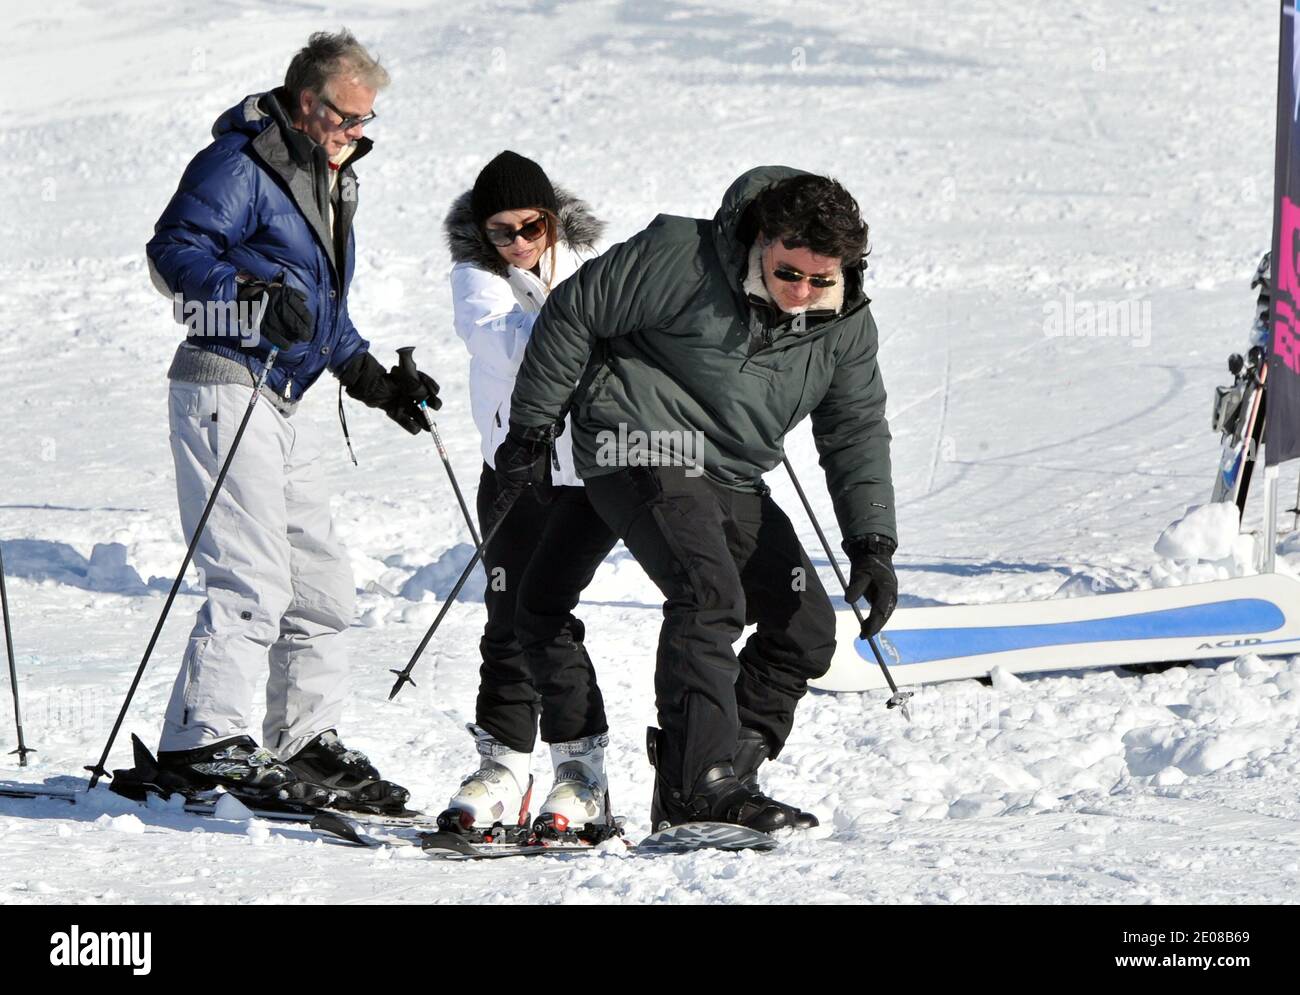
513	237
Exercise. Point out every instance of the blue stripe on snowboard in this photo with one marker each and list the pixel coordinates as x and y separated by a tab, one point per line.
1243	616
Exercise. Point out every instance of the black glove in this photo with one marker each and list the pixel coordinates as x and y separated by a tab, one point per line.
365	379
286	320
872	574
523	462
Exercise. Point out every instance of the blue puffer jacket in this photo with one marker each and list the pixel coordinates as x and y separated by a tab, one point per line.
256	201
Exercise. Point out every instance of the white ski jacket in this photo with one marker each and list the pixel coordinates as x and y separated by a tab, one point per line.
494	307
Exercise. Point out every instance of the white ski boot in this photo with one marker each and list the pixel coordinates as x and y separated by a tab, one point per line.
492	803
578	806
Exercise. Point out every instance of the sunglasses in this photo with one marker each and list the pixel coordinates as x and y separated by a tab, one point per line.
530	232
349	121
787	274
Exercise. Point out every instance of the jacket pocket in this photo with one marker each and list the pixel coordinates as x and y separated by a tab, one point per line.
497	429
209	419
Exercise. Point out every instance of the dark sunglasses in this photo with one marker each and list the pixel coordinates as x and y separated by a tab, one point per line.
349	121
788	275
531	232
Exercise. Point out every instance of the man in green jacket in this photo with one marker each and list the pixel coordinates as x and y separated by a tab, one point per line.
685	355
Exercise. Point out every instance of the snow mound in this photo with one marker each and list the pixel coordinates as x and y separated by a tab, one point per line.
439	577
1206	544
1205	532
231	809
109	570
120	824
1086	585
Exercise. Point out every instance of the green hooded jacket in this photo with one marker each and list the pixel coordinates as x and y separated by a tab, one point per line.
658	335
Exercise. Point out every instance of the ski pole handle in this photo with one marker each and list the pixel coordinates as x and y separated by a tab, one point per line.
406	363
406	360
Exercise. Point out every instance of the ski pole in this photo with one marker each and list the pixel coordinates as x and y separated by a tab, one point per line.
98	770
898	699
404	675
406	360
23	748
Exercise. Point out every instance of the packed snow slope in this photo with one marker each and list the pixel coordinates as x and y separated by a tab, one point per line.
1019	166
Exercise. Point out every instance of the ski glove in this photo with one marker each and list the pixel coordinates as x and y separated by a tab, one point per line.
872	574
393	392
523	462
286	318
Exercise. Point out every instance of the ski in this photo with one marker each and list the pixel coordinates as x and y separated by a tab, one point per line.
442	845
691	836
410	830
207	807
1238	417
1239	408
451	846
337	828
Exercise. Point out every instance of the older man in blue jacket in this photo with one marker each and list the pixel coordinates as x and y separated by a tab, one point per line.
256	249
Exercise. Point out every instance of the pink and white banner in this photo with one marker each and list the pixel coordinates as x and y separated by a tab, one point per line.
1282	426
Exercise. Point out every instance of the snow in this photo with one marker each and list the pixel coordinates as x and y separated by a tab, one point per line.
1019	168
1206	532
231	809
1206	544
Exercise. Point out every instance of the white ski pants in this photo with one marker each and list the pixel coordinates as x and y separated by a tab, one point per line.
279	585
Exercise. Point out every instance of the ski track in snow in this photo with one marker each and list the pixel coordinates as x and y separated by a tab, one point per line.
1004	160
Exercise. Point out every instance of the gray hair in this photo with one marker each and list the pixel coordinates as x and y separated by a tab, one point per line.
328	55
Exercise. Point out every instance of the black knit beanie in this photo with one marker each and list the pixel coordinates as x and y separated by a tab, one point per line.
510	182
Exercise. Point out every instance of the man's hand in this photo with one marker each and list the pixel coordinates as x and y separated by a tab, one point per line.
286	318
872	574
394	392
523	461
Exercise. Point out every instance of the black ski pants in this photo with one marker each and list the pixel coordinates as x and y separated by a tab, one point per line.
552	551
722	559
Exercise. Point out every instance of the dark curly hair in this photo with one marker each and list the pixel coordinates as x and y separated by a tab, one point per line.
814	212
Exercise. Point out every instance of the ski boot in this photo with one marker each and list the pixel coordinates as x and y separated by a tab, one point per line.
500	789
718	796
577	809
751	751
238	765
348	775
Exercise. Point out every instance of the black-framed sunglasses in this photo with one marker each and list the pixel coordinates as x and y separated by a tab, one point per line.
788	274
349	121
531	232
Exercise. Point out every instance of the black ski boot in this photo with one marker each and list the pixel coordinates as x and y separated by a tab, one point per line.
718	796
348	775
751	751
249	772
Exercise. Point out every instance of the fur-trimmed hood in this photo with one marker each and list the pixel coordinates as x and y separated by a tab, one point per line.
579	230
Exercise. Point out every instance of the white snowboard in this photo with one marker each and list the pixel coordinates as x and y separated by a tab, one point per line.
1222	619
